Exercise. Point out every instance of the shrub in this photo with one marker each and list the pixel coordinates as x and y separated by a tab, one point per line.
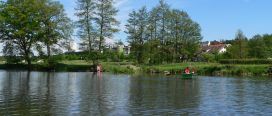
246	61
12	60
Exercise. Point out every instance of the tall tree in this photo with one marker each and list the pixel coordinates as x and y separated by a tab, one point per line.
241	43
191	35
2	19
257	48
86	30
27	23
20	25
56	26
268	42
239	47
162	10
105	19
137	28
176	30
153	24
131	27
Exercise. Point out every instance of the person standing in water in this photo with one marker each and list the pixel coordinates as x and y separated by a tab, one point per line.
99	68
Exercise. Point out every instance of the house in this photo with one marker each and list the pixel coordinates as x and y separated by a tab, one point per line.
120	48
206	43
123	49
216	43
127	50
214	47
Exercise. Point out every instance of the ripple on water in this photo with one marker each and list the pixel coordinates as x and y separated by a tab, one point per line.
71	94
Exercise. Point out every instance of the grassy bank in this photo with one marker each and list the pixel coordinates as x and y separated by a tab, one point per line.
201	68
114	67
75	66
211	69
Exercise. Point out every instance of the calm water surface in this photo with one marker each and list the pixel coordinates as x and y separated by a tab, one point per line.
74	94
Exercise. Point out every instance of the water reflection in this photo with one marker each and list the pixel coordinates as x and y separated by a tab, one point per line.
157	96
69	94
33	93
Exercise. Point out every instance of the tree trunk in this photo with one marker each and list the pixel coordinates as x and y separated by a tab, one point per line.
88	28
48	50
101	28
27	57
28	60
100	41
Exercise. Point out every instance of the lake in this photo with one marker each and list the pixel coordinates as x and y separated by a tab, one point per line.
86	93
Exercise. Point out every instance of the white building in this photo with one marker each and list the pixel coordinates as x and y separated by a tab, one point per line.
214	47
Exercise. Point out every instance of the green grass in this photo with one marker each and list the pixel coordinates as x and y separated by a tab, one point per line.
74	66
120	67
177	67
75	62
114	67
202	68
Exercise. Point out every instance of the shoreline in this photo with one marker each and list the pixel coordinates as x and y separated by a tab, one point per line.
204	69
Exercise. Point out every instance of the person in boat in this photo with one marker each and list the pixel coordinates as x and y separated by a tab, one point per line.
187	70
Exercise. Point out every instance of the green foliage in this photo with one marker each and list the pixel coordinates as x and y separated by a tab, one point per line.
239	48
96	22
268	44
12	60
20	25
106	21
55	25
245	61
203	68
118	69
162	35
136	29
29	23
113	56
257	47
209	57
72	57
85	13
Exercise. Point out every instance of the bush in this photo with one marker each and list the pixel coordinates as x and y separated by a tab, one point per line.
12	60
245	61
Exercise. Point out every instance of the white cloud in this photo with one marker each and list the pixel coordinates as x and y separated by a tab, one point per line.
120	3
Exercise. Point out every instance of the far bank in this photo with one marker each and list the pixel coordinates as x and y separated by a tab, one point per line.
201	68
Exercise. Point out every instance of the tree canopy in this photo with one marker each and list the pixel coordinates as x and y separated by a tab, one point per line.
25	24
163	35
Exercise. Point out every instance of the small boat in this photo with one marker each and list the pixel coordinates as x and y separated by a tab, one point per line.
187	76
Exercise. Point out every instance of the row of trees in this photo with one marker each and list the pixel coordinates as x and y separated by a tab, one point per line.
259	46
241	47
162	35
41	27
96	22
159	35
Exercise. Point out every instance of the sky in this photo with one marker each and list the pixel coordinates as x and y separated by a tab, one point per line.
218	19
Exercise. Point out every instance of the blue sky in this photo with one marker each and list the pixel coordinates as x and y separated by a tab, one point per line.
219	19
